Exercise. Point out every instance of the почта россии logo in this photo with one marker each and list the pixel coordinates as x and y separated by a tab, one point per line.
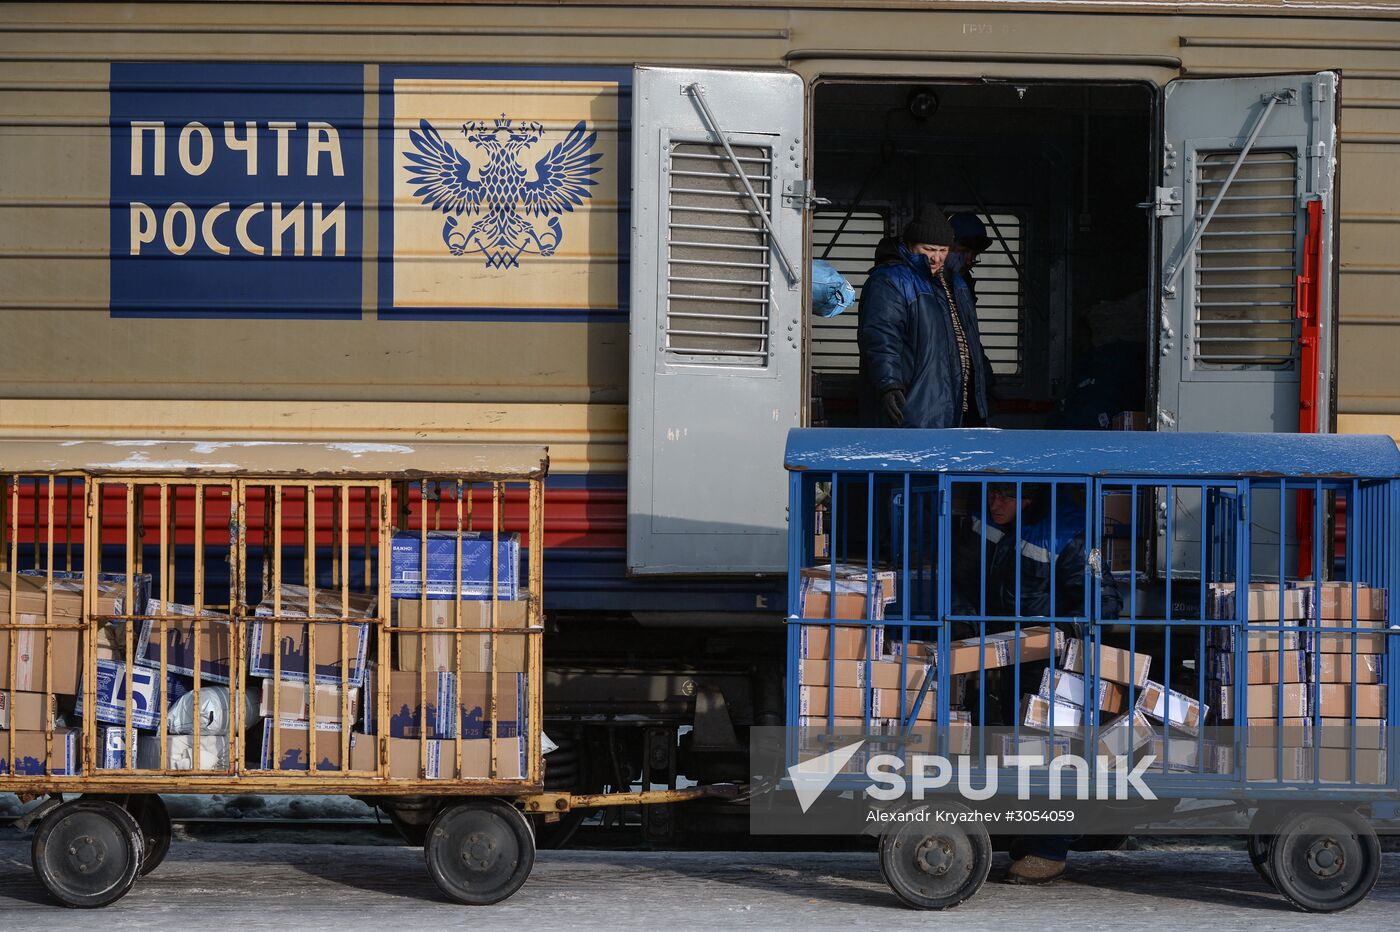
443	181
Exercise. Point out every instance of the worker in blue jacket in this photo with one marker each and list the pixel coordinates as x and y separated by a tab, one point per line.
1050	545
921	358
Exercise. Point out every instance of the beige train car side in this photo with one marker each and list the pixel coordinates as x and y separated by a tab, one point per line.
68	368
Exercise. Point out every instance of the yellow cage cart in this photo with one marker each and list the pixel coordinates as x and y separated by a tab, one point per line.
223	617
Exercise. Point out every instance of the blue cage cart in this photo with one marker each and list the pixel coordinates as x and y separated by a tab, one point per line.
1220	602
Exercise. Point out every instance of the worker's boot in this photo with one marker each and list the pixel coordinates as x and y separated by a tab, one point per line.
1034	870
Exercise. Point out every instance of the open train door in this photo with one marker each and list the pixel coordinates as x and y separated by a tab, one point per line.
716	318
1247	220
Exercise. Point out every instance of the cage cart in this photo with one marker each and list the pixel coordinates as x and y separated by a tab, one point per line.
224	617
1220	602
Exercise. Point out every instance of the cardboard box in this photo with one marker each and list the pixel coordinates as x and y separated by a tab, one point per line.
882	674
1372	642
412	714
1036	712
471	694
1231	639
915	650
405	759
1181	754
1266	733
292	645
853	578
1336	700
111	641
1335	766
851	641
1262	764
213	752
1171	707
852	585
1337	668
813	726
30	650
1046	747
147	703
1115	665
406	565
111	748
215	645
1222	698
1123	735
1369	734
1265	700
1003	649
1071	688
441	649
1338	733
296	749
1118	553
26	754
1130	420
1334	601
31	599
412	710
1266	667
330	603
850	702
1117	511
27	711
296	699
1267	603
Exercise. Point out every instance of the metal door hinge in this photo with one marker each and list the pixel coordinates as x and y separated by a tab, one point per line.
1166	202
801	195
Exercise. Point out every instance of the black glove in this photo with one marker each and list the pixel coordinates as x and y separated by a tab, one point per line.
892	400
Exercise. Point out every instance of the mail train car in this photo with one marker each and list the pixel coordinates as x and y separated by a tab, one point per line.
380	223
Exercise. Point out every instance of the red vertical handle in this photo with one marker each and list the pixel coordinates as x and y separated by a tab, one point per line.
1308	302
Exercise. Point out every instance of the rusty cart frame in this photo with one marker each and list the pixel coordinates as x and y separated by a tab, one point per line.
341	504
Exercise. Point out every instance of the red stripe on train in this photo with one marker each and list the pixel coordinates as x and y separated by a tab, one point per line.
574	517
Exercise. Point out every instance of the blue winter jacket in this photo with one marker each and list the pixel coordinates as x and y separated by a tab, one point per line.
1064	557
906	340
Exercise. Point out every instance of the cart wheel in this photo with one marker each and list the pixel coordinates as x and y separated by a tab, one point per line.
1259	847
935	865
480	851
1324	862
88	852
154	821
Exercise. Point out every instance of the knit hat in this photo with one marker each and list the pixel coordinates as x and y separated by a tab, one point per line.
970	231
930	227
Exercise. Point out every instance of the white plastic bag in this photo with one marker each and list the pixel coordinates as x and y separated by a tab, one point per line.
213	712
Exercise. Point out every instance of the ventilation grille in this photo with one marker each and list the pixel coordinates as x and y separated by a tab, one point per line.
717	266
834	348
1246	263
999	295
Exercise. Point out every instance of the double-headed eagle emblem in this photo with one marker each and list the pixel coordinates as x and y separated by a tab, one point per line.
501	194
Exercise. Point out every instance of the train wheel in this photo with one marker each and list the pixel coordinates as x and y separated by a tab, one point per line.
1259	847
1324	862
88	852
933	865
480	851
154	821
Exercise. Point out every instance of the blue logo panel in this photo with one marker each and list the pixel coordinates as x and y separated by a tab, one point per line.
237	190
